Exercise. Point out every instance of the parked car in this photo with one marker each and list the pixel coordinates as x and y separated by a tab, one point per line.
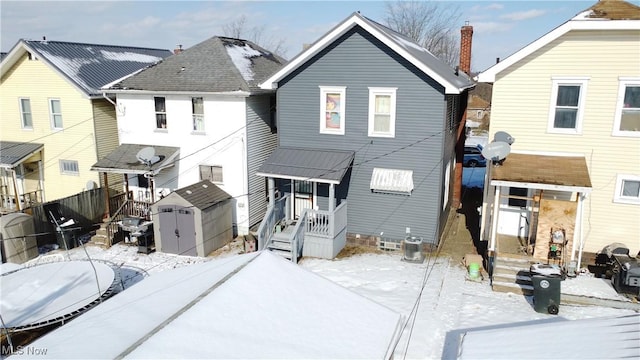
473	156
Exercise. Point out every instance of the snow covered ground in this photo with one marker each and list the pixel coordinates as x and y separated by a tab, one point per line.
435	297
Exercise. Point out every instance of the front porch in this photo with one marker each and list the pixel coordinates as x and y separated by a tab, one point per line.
21	176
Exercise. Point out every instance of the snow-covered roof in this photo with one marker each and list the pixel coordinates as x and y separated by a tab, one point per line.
590	19
255	305
86	66
453	81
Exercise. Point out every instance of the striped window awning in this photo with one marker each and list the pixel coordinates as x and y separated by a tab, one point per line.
392	181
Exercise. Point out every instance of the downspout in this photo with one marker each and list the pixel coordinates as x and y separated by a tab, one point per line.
580	224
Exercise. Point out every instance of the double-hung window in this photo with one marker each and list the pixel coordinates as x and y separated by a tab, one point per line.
332	109
212	173
382	112
25	113
55	113
197	111
567	105
627	117
627	189
161	112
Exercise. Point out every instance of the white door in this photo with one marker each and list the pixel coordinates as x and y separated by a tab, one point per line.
304	193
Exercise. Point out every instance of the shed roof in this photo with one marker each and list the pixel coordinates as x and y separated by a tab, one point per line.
453	81
250	306
218	64
87	66
320	165
14	153
203	194
543	172
123	159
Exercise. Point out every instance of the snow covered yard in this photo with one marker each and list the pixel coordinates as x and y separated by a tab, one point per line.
436	299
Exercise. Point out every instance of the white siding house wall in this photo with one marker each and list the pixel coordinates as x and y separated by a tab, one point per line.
223	142
521	105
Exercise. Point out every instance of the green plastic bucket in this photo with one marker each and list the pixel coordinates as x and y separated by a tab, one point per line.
474	270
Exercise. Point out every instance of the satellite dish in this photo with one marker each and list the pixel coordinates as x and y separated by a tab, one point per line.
496	151
91	185
504	137
147	156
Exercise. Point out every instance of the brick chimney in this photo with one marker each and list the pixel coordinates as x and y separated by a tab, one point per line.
466	34
177	50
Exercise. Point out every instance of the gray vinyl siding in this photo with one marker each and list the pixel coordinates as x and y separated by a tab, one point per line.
261	141
359	61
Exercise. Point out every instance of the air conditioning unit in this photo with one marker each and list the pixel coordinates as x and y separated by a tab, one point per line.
413	249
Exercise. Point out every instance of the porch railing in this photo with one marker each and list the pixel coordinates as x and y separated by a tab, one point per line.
323	223
27	200
297	236
271	218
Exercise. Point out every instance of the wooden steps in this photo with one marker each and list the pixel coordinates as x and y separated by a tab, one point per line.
511	274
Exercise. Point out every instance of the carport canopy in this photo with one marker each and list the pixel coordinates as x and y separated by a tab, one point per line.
317	165
123	160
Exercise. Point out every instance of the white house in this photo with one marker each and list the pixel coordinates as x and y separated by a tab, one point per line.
204	107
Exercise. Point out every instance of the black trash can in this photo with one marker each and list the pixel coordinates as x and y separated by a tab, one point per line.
546	294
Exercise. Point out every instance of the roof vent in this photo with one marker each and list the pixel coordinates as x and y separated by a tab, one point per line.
189	192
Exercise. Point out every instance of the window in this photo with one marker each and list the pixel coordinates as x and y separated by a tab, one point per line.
25	113
479	114
517	197
391	181
197	109
382	112
212	173
69	167
567	105
627	120
332	105
627	189
161	113
55	112
453	112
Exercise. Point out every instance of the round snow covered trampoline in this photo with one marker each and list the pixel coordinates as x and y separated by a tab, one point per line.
51	293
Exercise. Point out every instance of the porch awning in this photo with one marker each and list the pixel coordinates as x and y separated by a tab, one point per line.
392	181
123	160
319	165
14	153
547	172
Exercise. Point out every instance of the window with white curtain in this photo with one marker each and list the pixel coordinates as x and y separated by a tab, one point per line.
382	112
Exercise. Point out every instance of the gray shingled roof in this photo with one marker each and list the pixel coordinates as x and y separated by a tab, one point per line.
203	194
123	160
458	79
13	153
311	164
92	66
218	64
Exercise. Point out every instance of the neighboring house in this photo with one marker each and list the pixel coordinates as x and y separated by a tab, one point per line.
203	106
577	148
367	125
479	108
55	121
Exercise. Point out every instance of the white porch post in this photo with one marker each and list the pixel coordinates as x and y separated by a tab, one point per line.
578	230
494	219
41	180
272	191
15	189
293	199
332	197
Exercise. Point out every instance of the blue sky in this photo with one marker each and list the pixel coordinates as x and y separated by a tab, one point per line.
500	27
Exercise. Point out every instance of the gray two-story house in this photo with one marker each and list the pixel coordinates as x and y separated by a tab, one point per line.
367	123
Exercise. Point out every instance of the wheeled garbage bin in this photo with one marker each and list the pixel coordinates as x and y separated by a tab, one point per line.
546	294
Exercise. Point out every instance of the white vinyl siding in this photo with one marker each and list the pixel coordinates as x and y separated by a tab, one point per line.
55	113
567	105
627	117
382	112
26	119
332	110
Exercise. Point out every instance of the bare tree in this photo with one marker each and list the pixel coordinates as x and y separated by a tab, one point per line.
239	29
429	23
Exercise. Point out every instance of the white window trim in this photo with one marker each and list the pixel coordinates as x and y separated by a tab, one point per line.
557	81
193	118
618	198
64	172
22	125
212	166
155	115
624	82
373	91
53	124
323	107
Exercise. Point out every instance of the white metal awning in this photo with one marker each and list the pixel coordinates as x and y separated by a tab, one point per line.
392	181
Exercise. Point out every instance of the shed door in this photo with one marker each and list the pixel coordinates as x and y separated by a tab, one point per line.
177	230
